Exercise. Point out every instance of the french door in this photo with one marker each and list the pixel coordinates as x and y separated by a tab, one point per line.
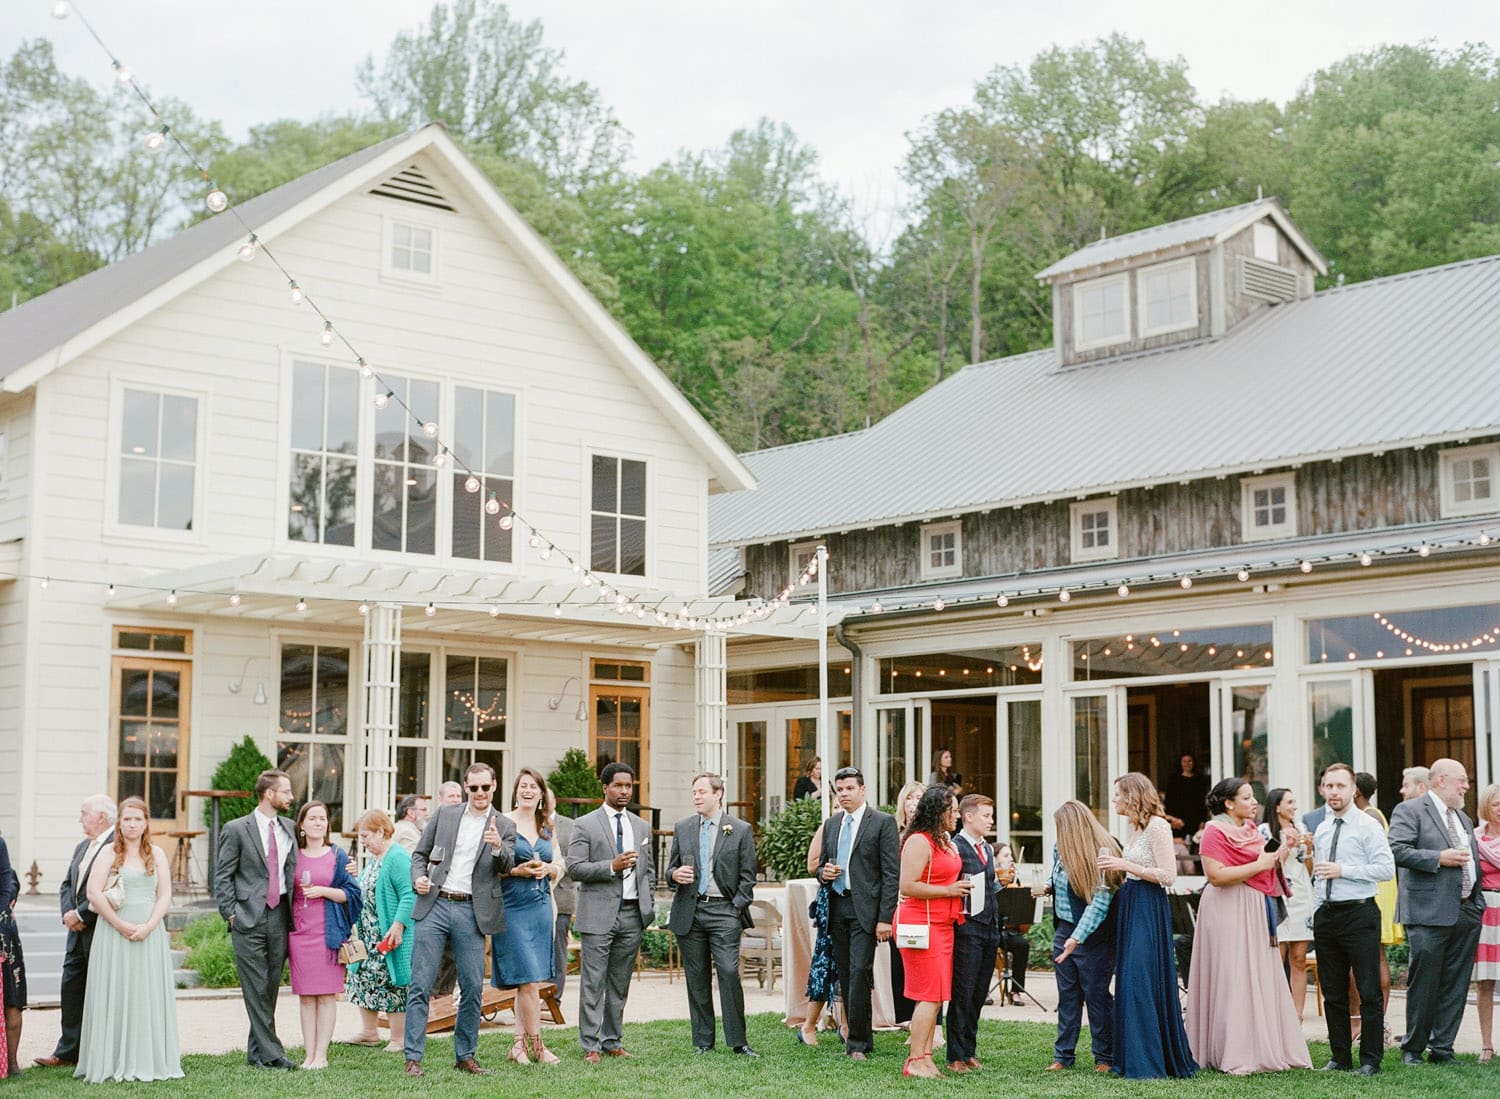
1098	727
772	747
1240	723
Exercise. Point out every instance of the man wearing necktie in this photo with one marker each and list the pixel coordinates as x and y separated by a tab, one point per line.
861	861
976	941
712	870
1350	857
1441	905
609	856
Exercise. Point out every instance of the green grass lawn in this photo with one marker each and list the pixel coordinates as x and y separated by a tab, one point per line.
1014	1054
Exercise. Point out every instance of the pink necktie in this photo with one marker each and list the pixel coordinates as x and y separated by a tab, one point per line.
273	870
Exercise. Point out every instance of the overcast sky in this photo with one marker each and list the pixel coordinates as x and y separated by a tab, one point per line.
851	78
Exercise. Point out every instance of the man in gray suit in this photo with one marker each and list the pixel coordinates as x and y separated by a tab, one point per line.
456	869
97	816
1441	905
250	886
564	896
712	870
609	855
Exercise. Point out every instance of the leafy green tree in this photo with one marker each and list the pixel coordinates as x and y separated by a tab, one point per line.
574	777
279	152
241	767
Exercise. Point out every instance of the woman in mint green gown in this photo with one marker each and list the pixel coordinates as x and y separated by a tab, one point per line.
130	1008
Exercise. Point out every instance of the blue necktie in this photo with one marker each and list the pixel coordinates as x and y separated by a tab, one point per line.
705	856
619	833
846	848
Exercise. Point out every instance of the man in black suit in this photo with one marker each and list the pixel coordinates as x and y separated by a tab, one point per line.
712	870
97	816
977	940
251	886
456	869
861	861
1441	905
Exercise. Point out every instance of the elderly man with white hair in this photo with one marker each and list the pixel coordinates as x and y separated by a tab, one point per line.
1441	905
97	818
1413	783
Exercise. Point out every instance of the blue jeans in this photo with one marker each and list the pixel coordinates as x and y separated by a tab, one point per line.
1084	978
446	922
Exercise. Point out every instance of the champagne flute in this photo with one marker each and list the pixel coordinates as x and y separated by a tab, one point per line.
306	881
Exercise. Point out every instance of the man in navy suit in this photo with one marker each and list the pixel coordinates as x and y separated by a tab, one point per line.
977	940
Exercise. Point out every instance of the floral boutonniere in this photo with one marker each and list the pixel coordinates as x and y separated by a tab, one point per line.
727	829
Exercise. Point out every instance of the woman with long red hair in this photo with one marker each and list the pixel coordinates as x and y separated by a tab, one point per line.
130	1008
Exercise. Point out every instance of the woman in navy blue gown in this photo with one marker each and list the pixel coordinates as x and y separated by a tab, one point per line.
1149	1038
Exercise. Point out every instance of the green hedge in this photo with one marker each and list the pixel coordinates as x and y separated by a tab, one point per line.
783	841
211	952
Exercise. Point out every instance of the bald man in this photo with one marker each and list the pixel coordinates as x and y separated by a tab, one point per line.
1441	905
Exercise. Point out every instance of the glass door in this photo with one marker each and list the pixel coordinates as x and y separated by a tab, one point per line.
1339	719
895	751
1099	749
1018	801
1241	733
1486	719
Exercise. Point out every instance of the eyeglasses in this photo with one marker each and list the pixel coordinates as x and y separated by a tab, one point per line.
481	788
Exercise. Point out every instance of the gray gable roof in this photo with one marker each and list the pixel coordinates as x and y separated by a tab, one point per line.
36	327
1409	359
1214	225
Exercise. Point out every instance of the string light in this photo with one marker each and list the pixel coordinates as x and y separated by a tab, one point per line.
156	140
430	611
364	609
383	400
46	582
301	605
494	610
1002	600
1423	550
1186	582
507	521
440	459
1243	575
1123	590
298	297
471	484
430	429
492	507
364	369
216	200
1365	559
1064	596
234	599
248	249
326	339
60	9
110	594
1305	566
172	598
123	73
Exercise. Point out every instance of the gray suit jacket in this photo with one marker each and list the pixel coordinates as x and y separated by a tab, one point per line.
241	878
733	869
70	897
489	868
565	891
590	851
1429	894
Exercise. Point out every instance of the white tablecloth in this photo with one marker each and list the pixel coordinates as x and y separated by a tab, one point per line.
797	936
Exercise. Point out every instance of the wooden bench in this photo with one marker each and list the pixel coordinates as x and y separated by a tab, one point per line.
442	1016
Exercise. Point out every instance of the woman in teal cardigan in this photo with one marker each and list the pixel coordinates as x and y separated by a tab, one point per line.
379	984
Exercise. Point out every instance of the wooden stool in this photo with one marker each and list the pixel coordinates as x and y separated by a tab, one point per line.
182	858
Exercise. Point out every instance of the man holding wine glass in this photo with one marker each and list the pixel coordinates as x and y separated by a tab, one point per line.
456	871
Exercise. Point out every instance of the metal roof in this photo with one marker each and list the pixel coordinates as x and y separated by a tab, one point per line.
36	327
726	571
1215	225
1399	361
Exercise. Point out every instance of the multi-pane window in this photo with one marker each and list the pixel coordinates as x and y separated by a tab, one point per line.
801	555
413	737
411	249
406	479
620	721
1094	530
618	516
1169	299
321	493
1270	506
475	714
1469	474
1101	312
942	550
484	434
158	456
313	725
152	692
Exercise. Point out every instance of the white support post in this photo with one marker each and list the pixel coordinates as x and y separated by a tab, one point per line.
827	742
382	678
710	673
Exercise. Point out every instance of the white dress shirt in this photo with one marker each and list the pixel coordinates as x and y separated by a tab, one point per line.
629	890
465	853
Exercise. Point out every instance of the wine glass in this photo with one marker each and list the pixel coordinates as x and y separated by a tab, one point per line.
306	881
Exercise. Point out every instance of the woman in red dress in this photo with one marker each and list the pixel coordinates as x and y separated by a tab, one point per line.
932	895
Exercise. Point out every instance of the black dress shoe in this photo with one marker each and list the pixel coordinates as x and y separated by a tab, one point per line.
1334	1066
1440	1058
280	1062
1367	1070
1412	1059
700	1050
745	1051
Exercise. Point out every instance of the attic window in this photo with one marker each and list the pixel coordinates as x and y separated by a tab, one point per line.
1095	526
1471	480
411	184
1269	507
1265	242
1169	297
1101	312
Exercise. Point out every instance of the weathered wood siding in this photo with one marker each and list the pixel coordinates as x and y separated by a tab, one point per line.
1397	488
1238	305
1062	302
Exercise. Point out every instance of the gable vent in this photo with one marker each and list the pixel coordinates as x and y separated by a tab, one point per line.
411	185
1267	281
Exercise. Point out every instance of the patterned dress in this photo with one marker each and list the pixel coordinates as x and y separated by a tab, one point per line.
368	984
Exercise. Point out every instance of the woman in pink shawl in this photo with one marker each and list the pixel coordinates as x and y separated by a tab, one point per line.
1240	1017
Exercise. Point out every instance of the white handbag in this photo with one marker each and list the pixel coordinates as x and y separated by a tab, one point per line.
917	936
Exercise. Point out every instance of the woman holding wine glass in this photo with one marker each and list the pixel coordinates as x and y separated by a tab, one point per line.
379	983
328	905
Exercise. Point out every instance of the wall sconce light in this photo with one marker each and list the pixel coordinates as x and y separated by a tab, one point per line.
556	700
260	688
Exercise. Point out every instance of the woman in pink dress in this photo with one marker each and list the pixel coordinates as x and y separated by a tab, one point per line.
1240	1017
317	978
1487	957
932	894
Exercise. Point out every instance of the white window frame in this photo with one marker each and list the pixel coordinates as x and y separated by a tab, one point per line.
1076	511
454	473
442	511
795	554
1249	486
1190	265
1079	289
929	571
1448	459
1265	242
129	532
432	280
586	491
361	479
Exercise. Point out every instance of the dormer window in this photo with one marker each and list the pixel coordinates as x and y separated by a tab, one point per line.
1101	312
1269	506
1169	297
1095	530
1471	480
942	550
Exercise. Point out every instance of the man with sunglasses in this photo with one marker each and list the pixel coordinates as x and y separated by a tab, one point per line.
456	869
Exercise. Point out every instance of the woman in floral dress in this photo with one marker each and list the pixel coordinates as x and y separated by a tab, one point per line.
379	983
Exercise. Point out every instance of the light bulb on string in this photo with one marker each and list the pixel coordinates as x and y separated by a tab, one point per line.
876	608
1243	575
535	540
1064	596
588	580
60	9
216	200
110	594
248	249
604	589
938	604
430	610
382	400
1423	550
1123	590
326	338
440	459
172	598
471	484
1305	566
1000	601
46	582
557	611
156	140
1365	559
1186	582
301	605
507	521
298	297
547	551
430	429
123	73
492	505
364	369
364	609
494	610
234	599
